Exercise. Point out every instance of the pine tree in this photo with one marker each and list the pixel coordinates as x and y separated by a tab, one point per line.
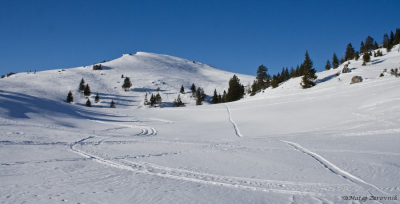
235	90
182	90
214	100
308	80
158	99
146	102
396	37
362	47
88	103
122	76
275	81
356	55
366	58
193	89
369	44
82	85
70	98
178	102
152	100
127	84
385	41
224	97
328	65
376	46
263	78
87	91
335	61
112	104
349	55
391	37
97	98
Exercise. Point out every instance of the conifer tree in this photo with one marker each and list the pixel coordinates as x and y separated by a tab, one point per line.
356	55
70	98
342	60
275	81
349	55
220	98
369	43
127	84
391	37
112	104
178	102
88	103
193	89
328	65
396	37
385	41
122	76
335	61
152	100
308	80
362	47
376	46
97	98
82	85
146	101
87	91
235	90
366	58
158	99
263	78
224	97
182	90
214	100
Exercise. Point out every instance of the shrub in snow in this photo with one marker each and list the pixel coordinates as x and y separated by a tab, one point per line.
356	79
127	84
112	104
97	67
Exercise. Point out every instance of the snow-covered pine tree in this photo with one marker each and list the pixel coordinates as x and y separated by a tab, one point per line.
97	98
309	77
112	104
70	97
87	91
88	103
127	84
82	85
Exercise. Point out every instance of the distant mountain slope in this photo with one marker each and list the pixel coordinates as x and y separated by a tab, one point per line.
147	72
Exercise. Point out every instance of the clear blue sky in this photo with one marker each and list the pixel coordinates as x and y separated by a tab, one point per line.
232	35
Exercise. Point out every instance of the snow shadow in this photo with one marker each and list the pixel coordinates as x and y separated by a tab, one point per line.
327	78
149	90
17	105
377	61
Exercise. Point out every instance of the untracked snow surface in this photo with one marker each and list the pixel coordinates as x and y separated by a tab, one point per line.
285	145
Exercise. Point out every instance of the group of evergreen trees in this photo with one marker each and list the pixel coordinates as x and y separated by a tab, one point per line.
155	100
85	89
235	92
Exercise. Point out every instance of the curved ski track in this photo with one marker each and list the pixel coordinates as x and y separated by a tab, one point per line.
334	169
233	122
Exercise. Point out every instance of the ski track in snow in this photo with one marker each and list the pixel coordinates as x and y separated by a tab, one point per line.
272	186
334	169
233	122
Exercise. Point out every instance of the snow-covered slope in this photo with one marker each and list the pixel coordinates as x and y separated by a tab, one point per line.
286	145
147	72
